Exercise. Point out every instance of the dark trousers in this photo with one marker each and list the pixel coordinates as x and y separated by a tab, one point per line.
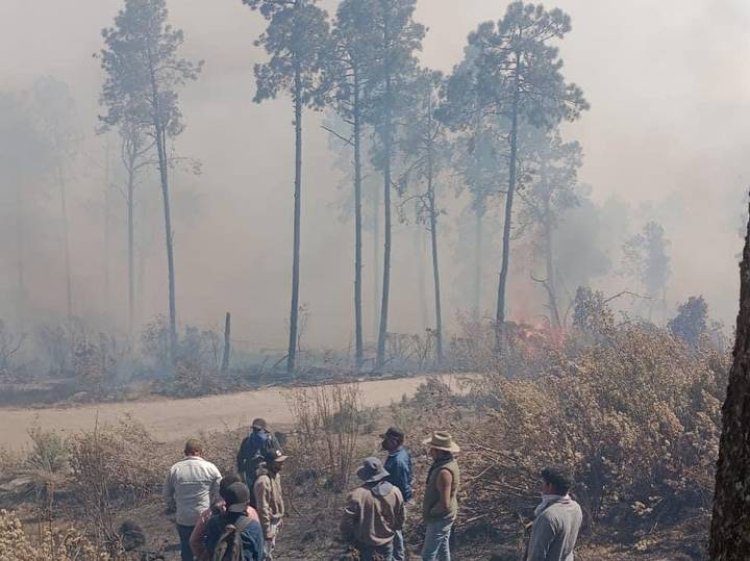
186	554
376	553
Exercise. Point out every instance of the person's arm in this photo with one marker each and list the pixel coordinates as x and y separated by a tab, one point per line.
213	492
407	475
542	536
349	519
199	534
400	514
168	492
252	538
444	482
263	504
242	456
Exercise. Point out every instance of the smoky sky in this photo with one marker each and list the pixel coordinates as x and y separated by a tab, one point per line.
669	87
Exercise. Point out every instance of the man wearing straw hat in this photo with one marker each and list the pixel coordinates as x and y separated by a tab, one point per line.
440	505
374	513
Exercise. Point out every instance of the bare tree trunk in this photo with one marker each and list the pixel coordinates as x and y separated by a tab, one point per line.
20	251
66	241
107	205
227	342
131	246
358	337
418	240
294	312
478	239
550	272
730	539
161	150
383	330
500	316
435	264
377	273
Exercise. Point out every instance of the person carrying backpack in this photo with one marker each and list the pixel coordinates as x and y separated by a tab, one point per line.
374	513
250	454
233	536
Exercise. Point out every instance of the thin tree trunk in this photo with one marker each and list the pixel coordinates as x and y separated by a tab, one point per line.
478	239
107	205
161	150
550	272
500	316
66	241
131	246
359	342
418	240
227	342
383	330
377	273
730	538
294	312
435	264
20	251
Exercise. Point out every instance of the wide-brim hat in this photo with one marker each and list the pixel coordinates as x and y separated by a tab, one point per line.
442	441
372	470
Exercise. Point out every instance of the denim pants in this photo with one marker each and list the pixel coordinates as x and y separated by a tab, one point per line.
399	546
436	541
186	554
375	553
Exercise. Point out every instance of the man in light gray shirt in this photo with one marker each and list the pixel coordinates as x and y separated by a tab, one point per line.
192	485
557	519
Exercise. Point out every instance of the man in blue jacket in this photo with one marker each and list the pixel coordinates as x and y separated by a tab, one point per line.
236	496
250	454
398	465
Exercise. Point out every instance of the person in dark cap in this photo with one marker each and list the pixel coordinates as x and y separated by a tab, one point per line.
398	465
268	497
222	528
557	519
374	513
250	454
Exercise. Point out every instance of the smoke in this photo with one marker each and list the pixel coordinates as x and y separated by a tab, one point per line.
666	136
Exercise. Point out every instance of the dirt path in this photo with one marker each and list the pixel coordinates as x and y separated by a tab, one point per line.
169	419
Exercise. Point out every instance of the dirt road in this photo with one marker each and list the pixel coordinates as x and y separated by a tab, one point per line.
169	419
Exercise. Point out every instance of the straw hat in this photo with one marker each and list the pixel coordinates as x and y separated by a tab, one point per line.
442	441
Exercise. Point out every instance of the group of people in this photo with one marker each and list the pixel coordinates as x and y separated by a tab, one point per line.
238	517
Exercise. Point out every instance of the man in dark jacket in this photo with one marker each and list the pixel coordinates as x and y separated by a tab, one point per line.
236	496
398	465
250	454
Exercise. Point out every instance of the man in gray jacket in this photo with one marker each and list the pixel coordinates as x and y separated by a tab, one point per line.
557	519
192	485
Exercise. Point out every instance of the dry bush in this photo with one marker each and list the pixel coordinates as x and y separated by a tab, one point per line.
329	418
120	462
59	544
637	414
47	466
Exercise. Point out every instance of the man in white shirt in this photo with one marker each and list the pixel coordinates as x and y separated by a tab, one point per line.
192	485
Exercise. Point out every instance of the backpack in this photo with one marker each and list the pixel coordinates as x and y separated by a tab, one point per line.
229	547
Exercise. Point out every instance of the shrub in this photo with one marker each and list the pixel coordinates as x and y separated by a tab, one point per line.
60	544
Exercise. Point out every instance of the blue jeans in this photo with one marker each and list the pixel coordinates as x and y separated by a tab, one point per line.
436	538
186	554
399	546
375	553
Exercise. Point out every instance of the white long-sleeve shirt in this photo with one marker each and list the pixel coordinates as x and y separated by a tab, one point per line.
191	486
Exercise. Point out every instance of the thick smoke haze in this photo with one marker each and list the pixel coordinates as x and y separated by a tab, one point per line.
665	139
